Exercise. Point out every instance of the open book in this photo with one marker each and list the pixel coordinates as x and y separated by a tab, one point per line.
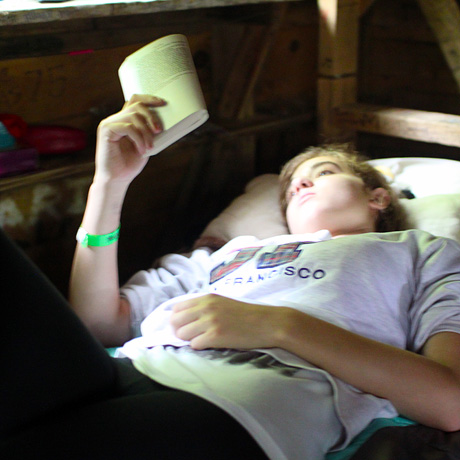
165	68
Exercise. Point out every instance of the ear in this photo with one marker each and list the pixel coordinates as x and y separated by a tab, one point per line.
380	199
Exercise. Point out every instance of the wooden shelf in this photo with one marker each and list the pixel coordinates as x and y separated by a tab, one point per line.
16	12
418	125
63	166
52	167
19	17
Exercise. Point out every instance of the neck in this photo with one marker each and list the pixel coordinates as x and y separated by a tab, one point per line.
355	231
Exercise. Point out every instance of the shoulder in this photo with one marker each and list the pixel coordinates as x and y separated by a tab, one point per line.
416	237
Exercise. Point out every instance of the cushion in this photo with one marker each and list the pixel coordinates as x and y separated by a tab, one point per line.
255	212
422	176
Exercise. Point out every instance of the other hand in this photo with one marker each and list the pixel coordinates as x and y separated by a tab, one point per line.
213	321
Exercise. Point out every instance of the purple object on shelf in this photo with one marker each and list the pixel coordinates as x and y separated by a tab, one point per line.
18	160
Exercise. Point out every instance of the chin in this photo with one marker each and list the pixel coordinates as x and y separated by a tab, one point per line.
299	230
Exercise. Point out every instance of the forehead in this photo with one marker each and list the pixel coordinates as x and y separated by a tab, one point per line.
309	166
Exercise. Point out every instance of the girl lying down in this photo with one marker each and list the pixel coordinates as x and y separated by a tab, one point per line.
284	348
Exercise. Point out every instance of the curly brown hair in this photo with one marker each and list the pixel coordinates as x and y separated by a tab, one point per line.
392	218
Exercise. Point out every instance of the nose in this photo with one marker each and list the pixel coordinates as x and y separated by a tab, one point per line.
301	182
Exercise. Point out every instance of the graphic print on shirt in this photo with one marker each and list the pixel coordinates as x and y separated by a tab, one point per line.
282	255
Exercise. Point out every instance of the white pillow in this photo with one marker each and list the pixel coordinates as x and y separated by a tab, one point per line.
437	214
435	183
255	212
422	176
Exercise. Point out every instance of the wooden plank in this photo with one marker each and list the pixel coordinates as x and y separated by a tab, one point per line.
339	33
13	12
397	20
237	100
235	94
443	17
57	167
268	40
76	89
418	125
338	61
334	93
54	89
254	46
289	79
96	34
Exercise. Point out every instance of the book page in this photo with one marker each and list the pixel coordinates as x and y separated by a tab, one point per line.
165	68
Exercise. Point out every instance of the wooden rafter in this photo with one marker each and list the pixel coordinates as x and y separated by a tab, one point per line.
253	50
418	125
443	16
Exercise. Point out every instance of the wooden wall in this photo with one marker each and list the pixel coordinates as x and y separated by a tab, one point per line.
256	65
258	68
401	65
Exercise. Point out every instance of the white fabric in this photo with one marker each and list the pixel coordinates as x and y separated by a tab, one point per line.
256	212
422	176
345	281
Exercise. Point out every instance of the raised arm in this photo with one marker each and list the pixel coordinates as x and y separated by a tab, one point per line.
122	139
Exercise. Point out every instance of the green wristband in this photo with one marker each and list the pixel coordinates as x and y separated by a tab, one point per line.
86	239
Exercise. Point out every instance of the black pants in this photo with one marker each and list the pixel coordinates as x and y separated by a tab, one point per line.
62	396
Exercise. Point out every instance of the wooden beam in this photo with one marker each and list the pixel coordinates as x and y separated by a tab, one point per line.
29	11
253	50
338	62
443	16
339	32
418	125
334	93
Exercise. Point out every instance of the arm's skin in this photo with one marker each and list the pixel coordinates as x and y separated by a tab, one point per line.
425	388
122	139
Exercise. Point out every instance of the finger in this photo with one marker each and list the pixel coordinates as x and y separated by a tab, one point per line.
145	125
184	305
201	342
138	108
181	318
148	116
130	130
190	331
147	99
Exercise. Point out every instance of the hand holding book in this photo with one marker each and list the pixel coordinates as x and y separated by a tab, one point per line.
165	68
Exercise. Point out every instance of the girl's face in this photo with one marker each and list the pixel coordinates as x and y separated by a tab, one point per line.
324	194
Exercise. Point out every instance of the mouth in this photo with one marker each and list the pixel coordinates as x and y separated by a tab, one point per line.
305	197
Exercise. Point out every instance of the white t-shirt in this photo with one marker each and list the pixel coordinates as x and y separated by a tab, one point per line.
399	288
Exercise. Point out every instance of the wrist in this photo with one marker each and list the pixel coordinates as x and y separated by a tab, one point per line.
284	326
281	328
87	239
110	185
103	208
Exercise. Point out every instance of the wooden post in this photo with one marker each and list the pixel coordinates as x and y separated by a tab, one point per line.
338	62
443	16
